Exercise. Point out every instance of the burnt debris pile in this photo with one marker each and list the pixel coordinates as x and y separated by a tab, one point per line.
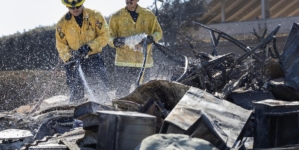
215	102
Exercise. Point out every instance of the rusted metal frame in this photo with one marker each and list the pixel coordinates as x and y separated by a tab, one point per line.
211	64
215	62
241	45
214	42
208	65
265	41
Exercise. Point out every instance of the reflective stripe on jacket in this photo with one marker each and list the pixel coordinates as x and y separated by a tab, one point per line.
69	35
122	25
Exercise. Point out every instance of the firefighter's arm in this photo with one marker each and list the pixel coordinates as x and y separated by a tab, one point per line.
157	32
61	44
113	28
102	32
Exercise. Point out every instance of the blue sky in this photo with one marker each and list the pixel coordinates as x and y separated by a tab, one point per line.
28	14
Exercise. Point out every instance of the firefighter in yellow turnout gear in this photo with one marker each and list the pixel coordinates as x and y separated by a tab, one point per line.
80	36
129	21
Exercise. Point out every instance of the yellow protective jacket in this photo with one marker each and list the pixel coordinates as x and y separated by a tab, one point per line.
122	25
69	35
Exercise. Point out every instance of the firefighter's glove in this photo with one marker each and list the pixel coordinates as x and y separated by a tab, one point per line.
119	42
149	39
83	50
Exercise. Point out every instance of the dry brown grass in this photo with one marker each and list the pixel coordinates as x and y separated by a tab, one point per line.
22	87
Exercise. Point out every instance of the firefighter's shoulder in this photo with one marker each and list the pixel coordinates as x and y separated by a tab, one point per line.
118	12
147	11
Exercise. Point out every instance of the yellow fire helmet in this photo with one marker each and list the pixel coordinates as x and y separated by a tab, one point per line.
72	3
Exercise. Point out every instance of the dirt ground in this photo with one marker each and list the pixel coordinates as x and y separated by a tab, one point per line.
22	87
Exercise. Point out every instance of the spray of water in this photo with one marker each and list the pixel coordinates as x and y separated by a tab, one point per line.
92	97
134	40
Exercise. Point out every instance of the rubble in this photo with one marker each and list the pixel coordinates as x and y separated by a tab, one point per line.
200	114
123	130
15	138
276	123
174	141
216	102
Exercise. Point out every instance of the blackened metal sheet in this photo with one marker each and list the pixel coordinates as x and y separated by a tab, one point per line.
276	124
245	99
290	58
277	107
86	108
229	117
123	130
281	91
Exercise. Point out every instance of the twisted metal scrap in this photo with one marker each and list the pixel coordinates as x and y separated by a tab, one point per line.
222	74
